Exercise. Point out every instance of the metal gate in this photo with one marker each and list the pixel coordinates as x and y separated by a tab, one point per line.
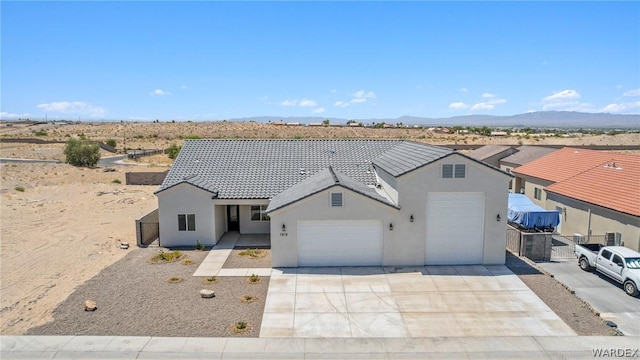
148	229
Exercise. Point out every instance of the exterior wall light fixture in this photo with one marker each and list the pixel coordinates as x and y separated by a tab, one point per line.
284	227
411	218
498	217
390	227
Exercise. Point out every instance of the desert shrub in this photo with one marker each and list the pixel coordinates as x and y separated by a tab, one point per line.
111	142
253	253
81	153
19	188
211	280
175	279
188	262
254	279
116	181
199	245
173	150
162	256
41	133
240	327
192	137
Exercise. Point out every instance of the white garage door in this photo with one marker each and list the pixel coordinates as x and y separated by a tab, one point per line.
340	243
455	228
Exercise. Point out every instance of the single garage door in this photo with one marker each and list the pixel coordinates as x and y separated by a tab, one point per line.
340	243
455	228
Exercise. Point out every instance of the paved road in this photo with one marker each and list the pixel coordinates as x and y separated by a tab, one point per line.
105	161
604	295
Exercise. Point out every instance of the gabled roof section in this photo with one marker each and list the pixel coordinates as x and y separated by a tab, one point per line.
613	186
321	181
261	169
196	181
565	163
527	153
409	156
488	151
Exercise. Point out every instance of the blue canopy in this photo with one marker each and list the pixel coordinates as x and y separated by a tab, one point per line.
524	212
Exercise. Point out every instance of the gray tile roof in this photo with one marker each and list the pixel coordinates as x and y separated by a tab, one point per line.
323	180
408	156
261	169
488	151
527	154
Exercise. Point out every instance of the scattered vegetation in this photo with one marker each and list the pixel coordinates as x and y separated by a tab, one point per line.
248	298
175	279
199	246
173	150
19	188
111	142
81	153
41	133
192	137
254	279
253	253
188	262
240	327
165	257
116	181
211	280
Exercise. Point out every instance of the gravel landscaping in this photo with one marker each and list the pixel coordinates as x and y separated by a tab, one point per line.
573	311
135	298
236	260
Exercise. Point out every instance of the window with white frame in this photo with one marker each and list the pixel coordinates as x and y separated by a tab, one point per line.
186	222
451	171
336	199
259	213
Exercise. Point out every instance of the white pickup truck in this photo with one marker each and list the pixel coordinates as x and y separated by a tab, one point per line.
617	262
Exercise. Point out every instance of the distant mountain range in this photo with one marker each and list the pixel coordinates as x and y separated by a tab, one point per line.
560	119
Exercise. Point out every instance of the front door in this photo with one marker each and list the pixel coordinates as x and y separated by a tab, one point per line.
233	218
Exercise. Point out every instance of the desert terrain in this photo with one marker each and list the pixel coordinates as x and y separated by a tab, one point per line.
61	225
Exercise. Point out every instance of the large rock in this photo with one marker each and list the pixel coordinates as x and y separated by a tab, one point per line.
207	294
90	305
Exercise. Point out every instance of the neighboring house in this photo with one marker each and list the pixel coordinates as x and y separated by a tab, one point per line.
524	154
491	154
338	202
597	192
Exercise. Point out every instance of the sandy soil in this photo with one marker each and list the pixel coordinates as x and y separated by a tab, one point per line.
61	231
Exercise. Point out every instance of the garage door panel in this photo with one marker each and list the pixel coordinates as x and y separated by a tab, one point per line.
340	243
455	228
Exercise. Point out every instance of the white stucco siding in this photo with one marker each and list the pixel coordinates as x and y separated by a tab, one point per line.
284	244
186	199
248	226
388	183
413	189
220	221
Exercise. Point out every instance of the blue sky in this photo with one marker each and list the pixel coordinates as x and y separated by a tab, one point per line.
222	60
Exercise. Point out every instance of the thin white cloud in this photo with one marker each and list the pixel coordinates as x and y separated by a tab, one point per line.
319	110
73	107
358	97
184	87
361	94
619	86
8	115
307	103
561	96
289	103
341	104
482	106
488	95
357	100
159	92
458	106
464	90
634	92
496	101
620	108
333	91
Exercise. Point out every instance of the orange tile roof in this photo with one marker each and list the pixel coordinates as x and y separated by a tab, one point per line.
589	176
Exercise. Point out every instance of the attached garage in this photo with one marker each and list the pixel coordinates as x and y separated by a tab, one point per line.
340	243
455	228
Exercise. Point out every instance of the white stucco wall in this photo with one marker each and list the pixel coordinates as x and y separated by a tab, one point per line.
603	220
220	221
388	183
284	249
186	199
248	226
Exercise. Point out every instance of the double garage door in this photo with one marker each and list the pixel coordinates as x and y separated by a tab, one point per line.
340	243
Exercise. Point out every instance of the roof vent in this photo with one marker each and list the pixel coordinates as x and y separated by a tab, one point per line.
302	171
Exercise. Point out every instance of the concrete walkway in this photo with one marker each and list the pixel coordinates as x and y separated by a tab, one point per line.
131	347
212	264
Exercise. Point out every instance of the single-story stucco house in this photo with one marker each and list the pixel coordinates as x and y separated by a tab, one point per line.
338	202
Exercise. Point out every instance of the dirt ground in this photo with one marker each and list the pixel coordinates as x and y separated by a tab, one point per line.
67	223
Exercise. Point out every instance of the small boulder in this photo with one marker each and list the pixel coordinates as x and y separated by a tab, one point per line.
90	305
207	294
124	245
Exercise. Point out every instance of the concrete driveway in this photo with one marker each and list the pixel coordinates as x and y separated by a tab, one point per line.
431	301
604	295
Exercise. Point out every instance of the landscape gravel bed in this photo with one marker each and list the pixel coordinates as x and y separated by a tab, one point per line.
572	310
235	260
134	298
